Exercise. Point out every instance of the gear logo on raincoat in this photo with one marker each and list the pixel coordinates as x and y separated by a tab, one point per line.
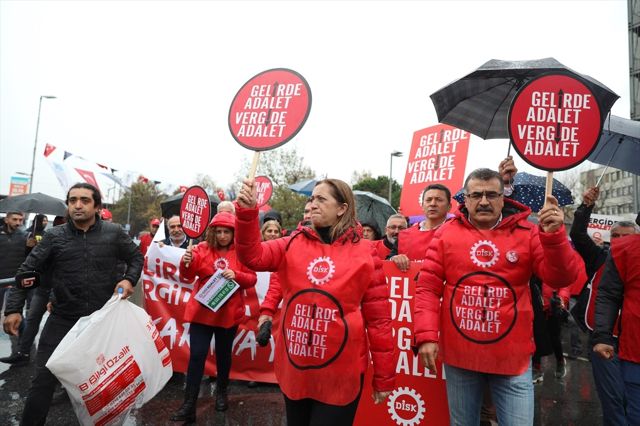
321	270
222	263
484	253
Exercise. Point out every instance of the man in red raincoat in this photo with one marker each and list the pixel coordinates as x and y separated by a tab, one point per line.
480	264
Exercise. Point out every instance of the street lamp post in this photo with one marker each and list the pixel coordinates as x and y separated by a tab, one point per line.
393	154
35	144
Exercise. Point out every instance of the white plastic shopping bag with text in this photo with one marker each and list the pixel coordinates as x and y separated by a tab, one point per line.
110	362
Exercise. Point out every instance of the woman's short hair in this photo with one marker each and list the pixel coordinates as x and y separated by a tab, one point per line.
268	224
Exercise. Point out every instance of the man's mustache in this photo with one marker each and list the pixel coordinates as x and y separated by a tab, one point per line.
484	209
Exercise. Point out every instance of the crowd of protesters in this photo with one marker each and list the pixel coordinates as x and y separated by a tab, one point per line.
490	243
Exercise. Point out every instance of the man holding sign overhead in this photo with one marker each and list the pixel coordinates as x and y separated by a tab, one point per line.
217	253
480	267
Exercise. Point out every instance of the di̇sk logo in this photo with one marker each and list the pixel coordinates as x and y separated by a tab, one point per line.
321	270
221	263
100	359
406	406
484	253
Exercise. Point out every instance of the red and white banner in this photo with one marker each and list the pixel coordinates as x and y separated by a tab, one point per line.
600	226
166	296
438	155
19	185
419	397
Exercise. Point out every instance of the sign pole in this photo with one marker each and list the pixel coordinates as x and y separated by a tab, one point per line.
254	164
549	186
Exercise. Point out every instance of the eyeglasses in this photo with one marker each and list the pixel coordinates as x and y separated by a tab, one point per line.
490	195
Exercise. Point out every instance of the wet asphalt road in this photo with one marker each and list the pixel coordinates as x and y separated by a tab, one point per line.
569	401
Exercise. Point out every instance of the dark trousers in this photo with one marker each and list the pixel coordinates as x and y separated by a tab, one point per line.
44	382
34	315
309	412
631	376
554	329
199	340
607	375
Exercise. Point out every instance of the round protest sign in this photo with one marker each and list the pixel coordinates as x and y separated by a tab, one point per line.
555	122
270	109
483	306
264	187
195	211
314	329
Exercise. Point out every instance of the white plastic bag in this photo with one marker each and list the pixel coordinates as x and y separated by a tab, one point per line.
110	362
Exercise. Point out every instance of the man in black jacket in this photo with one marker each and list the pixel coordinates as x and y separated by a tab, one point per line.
81	259
13	242
606	374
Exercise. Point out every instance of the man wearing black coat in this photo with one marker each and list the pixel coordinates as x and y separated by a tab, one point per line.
606	374
81	259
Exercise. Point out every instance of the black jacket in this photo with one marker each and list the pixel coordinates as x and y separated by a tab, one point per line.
593	256
82	267
608	304
12	251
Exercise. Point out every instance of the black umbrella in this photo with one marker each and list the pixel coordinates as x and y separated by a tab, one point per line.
34	203
529	190
619	145
171	206
372	209
479	102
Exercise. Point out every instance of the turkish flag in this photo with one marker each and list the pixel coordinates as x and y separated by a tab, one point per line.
88	176
48	149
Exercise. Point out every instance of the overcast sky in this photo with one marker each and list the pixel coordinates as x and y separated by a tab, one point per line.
146	86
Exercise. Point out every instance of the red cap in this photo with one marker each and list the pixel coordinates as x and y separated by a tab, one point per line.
155	222
105	214
224	219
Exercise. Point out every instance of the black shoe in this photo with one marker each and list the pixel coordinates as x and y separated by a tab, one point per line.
252	384
16	359
561	369
222	401
187	411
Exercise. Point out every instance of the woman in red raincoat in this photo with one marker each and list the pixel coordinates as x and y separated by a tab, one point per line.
216	253
335	306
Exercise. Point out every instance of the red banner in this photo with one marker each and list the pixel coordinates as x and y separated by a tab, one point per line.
438	155
166	296
420	396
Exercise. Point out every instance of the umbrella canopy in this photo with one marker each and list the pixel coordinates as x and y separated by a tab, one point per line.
529	190
304	187
479	102
171	206
372	209
619	145
34	203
